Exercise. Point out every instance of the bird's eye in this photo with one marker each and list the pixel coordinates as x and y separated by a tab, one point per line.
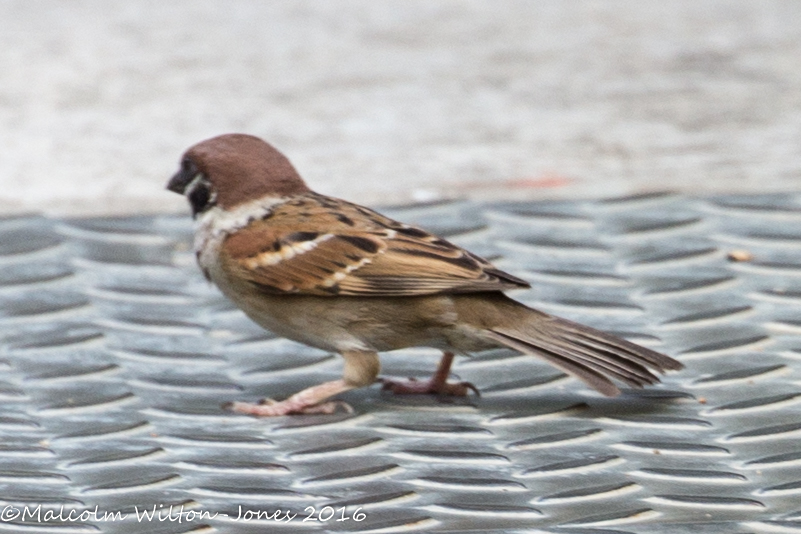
187	166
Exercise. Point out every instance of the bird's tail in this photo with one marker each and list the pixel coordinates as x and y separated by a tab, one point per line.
586	353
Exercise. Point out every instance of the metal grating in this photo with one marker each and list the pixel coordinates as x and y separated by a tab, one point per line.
115	357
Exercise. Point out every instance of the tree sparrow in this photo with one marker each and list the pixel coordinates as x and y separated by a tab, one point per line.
343	278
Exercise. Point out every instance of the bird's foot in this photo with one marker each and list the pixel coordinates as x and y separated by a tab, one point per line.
311	400
272	408
433	386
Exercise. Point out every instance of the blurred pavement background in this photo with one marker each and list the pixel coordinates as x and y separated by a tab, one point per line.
388	102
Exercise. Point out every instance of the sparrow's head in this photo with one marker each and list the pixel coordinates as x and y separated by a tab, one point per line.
231	169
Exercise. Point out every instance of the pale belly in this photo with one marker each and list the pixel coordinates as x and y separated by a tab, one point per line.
361	323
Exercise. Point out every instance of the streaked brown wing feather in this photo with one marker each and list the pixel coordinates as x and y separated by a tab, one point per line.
315	245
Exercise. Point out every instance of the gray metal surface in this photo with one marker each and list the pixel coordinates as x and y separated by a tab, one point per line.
115	358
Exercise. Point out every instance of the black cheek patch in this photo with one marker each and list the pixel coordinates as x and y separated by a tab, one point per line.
199	198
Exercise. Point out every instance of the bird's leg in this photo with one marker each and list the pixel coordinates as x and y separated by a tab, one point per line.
361	369
437	384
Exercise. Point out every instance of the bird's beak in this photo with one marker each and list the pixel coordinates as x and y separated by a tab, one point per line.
179	182
181	179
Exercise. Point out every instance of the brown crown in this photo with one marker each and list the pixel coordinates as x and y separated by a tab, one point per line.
242	167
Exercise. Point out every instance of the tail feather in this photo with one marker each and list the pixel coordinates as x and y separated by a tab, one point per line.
601	340
591	355
586	374
605	361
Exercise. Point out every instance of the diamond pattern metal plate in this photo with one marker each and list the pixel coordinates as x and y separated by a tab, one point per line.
116	356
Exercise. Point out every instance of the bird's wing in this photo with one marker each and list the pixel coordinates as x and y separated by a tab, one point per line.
316	245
